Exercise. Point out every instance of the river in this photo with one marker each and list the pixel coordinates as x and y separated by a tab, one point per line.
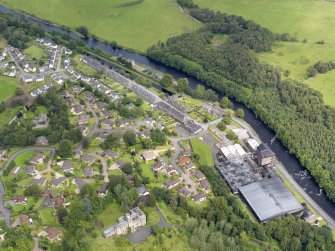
292	165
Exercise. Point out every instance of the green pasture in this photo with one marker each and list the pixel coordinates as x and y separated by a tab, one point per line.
133	24
203	150
7	87
310	19
34	52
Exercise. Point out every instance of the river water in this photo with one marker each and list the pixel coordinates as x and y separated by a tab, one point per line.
292	165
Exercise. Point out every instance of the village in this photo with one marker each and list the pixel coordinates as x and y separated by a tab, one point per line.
152	140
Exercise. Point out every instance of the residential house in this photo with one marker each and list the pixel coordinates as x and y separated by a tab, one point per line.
83	129
20	199
149	155
101	106
66	166
205	186
38	158
183	161
190	167
124	123
199	176
200	197
39	182
58	202
42	140
171	184
77	110
88	159
15	170
83	119
186	151
110	154
171	171
132	220
31	170
184	191
107	124
142	190
58	182
53	234
103	190
158	166
2	153
79	182
88	171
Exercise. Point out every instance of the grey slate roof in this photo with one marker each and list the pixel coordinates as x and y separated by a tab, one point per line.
270	199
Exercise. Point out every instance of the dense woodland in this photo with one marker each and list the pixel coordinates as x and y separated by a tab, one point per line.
301	120
21	133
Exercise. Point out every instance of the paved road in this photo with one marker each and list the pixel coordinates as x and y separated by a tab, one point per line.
289	178
103	163
5	211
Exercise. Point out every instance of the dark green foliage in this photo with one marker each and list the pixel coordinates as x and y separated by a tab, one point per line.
158	137
33	190
129	138
82	30
17	134
65	148
240	113
112	141
59	123
18	239
166	81
320	68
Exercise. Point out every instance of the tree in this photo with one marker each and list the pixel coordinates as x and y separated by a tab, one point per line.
112	141
65	148
232	136
240	113
226	103
222	126
182	84
33	190
83	31
166	81
147	143
158	137
86	143
129	138
61	214
128	168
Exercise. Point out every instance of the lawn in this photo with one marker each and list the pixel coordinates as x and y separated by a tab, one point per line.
23	157
136	26
110	215
309	19
204	151
48	218
80	66
8	115
176	242
34	52
7	87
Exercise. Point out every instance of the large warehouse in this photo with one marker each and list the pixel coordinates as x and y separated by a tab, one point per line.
270	199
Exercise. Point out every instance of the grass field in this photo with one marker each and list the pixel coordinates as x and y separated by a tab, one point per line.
34	52
23	157
135	26
174	243
314	20
297	58
110	215
7	87
204	151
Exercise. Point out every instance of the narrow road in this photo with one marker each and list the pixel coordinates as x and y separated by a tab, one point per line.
5	211
103	162
289	178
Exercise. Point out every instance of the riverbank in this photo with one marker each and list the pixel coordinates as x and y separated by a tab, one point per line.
299	193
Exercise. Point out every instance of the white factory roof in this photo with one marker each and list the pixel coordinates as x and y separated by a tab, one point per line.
233	151
253	144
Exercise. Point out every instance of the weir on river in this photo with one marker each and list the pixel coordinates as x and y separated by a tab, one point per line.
292	165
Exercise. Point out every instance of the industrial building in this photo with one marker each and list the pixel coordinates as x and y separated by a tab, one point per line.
270	198
265	156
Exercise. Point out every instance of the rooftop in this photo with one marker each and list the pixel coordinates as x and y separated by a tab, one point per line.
270	199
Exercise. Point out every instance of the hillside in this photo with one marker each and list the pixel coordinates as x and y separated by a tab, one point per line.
308	20
133	24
